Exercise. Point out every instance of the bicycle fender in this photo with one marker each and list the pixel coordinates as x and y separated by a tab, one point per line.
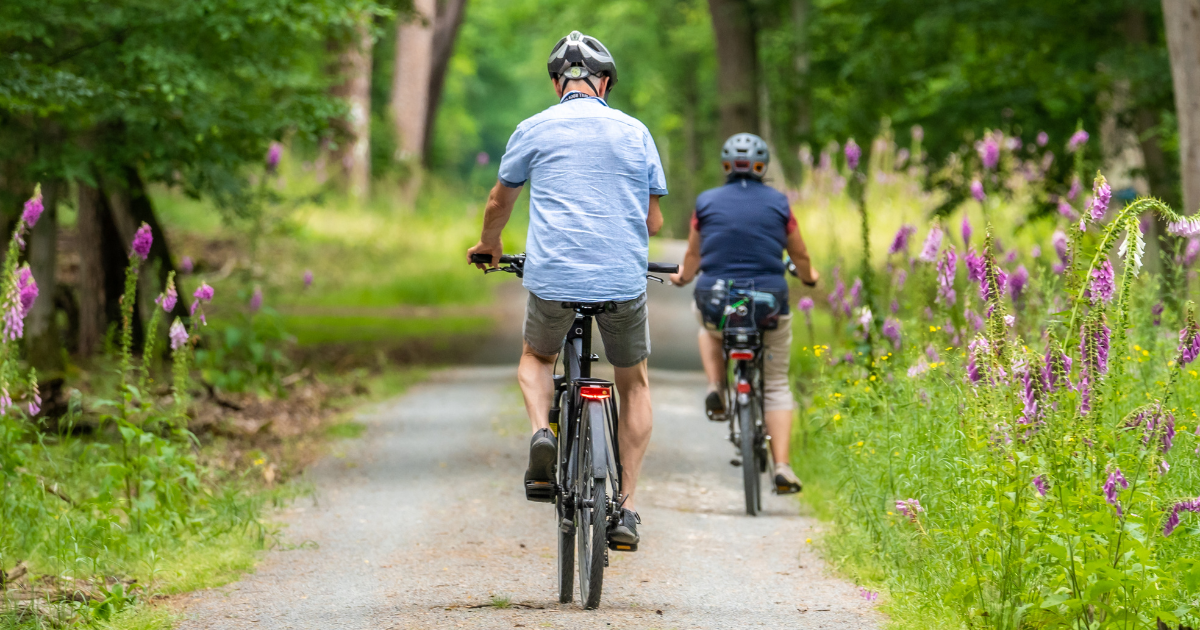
599	461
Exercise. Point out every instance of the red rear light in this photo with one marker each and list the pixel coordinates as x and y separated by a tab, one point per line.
743	387
741	355
595	393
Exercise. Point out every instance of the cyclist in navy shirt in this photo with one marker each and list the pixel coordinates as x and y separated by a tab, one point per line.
739	233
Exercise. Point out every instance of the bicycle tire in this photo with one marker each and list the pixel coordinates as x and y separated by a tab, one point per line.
592	513
750	476
565	524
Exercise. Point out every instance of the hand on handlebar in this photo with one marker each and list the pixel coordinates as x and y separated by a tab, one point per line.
489	249
677	279
816	277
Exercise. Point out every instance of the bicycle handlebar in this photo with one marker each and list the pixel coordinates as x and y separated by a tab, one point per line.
519	259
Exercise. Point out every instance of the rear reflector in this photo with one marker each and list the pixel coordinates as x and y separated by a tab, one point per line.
743	387
741	355
595	393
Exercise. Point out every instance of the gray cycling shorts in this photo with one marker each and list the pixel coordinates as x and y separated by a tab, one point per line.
626	332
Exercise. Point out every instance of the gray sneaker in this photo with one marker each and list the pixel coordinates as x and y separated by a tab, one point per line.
624	536
539	477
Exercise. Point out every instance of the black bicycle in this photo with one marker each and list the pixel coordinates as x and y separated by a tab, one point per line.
743	313
583	416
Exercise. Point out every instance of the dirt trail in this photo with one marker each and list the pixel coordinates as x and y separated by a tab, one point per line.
422	524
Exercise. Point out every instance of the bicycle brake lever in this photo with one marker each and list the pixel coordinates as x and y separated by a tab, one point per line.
492	269
656	279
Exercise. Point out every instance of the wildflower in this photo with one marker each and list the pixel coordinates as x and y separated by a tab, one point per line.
947	267
204	293
918	133
868	595
1078	139
1039	482
966	231
849	358
256	300
900	241
891	330
5	401
1115	478
1191	252
805	304
1016	281
168	299
1157	311
839	292
909	508
894	306
932	353
989	152
1031	413
1189	344
1075	188
1185	227
1103	283
902	158
901	277
1101	195
178	334
24	292
865	317
1042	138
273	155
1035	252
919	368
933	243
977	190
1059	240
1192	505
856	292
308	278
185	265
974	349
1139	248
1065	209
1010	321
975	319
853	154
975	266
35	405
33	208
142	240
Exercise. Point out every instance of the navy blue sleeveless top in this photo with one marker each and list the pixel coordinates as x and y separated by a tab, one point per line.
744	226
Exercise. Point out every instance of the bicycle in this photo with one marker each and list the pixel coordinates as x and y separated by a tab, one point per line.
587	490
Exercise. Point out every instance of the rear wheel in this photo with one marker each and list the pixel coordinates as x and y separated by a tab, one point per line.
592	513
566	524
750	464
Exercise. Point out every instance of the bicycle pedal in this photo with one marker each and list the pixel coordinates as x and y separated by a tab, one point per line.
616	546
539	491
735	462
716	417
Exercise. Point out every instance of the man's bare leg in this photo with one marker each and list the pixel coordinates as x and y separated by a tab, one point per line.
636	421
535	374
779	427
712	355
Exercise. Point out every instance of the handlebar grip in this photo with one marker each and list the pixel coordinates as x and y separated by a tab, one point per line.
505	259
481	259
662	268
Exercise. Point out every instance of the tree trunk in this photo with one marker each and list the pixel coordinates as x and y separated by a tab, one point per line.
92	294
411	80
354	70
445	32
800	63
737	66
41	330
1182	18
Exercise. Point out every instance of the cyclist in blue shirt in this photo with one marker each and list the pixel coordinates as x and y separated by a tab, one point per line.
595	178
740	232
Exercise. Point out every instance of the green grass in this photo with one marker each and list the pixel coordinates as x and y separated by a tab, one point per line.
327	329
346	430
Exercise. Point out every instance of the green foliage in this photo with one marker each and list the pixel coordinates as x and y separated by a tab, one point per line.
245	352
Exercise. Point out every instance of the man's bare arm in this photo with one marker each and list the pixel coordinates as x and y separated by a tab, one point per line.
691	261
495	216
799	253
654	219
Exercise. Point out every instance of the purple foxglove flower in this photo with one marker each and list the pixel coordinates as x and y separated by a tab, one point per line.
1078	139
1010	321
1010	257
900	241
1075	188
865	317
1157	311
308	278
932	353
1035	252
1172	523
1103	338
256	300
186	265
894	306
1065	209
25	292
856	292
1185	227
849	358
483	159
901	278
947	268
1192	251
1029	396
1103	283
1058	268
1057	366
204	293
1059	240
966	231
1013	143
168	299
918	133
977	190
919	368
1017	281
975	320
1191	505
1102	195
273	155
805	304
1042	138
178	334
902	158
868	595
27	289
909	508
989	152
1189	345
976	348
976	269
1085	393
33	208
853	154
1111	493
933	243
1039	482
891	330
142	240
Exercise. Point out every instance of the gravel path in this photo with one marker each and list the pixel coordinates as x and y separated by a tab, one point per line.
422	524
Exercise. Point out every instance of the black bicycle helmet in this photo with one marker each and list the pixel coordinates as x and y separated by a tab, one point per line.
745	154
578	57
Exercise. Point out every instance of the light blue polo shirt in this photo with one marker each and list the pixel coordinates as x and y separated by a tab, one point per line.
591	170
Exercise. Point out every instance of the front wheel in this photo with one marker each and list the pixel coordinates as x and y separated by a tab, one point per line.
751	477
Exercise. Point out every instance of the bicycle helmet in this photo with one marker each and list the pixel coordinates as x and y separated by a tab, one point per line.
745	154
579	57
